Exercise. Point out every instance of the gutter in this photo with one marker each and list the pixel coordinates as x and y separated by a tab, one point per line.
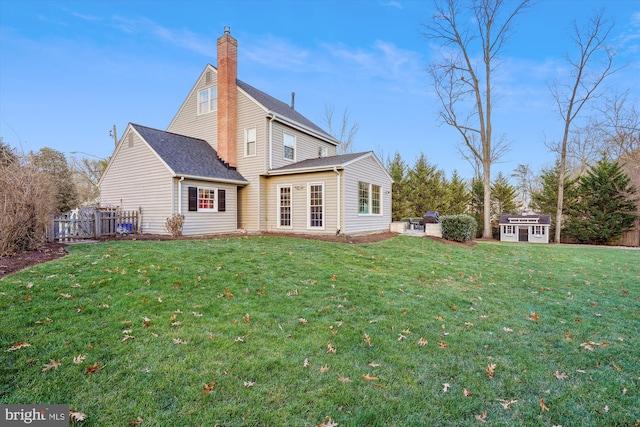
180	195
209	179
303	128
338	227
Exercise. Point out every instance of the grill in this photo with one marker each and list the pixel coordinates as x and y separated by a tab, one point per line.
430	218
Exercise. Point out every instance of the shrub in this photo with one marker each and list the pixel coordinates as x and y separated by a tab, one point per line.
27	199
459	228
174	224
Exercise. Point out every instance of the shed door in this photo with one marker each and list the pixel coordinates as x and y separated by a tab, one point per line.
523	234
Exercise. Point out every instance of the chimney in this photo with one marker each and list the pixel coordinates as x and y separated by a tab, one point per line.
227	97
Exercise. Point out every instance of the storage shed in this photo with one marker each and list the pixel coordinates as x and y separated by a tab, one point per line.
525	228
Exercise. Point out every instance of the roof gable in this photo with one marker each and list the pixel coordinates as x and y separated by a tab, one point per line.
187	156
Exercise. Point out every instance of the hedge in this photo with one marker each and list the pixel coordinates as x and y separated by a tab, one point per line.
459	228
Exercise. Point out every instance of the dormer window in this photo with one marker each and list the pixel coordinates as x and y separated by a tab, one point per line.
208	100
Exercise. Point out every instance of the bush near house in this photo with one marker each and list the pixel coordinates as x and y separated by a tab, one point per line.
459	228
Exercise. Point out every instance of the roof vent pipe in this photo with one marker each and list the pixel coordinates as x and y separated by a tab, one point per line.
293	100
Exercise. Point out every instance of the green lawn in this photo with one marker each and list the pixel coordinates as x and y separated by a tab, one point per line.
268	331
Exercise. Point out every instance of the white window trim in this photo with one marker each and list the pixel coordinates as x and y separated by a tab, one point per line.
295	142
211	108
324	197
215	201
370	200
246	142
507	227
288	227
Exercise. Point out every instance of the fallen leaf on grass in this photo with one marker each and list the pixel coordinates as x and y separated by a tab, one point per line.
75	417
146	322
324	369
490	369
302	321
196	314
507	329
305	364
482	417
79	359
248	383
18	346
331	349
533	316
327	422
368	377
93	368
343	379
543	407
446	387
443	344
466	392
41	322
373	364
53	364
561	376
422	342
209	387
227	293
136	422
506	404
179	341
367	339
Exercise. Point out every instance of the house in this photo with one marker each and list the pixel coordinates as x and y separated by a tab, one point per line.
525	228
235	158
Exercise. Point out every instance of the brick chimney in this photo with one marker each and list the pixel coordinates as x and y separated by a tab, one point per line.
227	97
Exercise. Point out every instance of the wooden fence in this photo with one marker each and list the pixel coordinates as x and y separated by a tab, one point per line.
93	223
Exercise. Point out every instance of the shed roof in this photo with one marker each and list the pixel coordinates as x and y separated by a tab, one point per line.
525	219
188	156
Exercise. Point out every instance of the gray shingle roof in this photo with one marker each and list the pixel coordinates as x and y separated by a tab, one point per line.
187	156
322	162
279	107
542	219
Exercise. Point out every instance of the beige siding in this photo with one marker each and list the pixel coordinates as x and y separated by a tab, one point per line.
251	115
300	187
306	146
188	122
365	170
137	178
205	222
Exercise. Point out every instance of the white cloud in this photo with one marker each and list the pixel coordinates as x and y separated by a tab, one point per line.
183	38
277	53
392	3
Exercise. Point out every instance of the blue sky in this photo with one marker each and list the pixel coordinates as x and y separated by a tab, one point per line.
70	70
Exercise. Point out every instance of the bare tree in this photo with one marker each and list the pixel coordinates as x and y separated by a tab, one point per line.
594	64
464	85
526	182
345	132
617	126
86	175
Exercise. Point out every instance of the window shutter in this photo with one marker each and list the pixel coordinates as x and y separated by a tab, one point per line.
222	202
193	199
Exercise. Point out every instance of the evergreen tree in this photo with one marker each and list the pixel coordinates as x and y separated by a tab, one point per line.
476	207
605	207
55	164
397	168
457	196
503	197
545	201
426	185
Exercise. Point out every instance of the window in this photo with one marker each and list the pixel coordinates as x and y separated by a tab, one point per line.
208	100
316	205
323	151
538	230
250	142
289	146
206	199
369	199
509	229
284	206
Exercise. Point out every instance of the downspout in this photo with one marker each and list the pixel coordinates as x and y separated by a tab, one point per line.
180	195
338	228
273	117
